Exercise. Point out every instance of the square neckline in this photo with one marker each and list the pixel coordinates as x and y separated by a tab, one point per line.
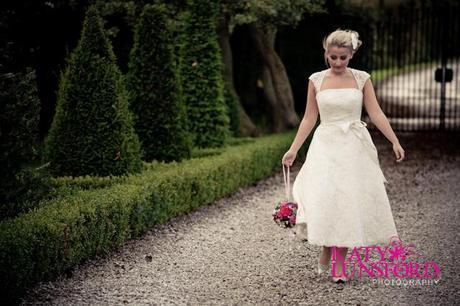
348	88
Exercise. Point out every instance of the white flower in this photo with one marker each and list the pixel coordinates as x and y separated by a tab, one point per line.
354	41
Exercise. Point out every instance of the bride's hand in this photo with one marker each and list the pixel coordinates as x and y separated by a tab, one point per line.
399	152
288	158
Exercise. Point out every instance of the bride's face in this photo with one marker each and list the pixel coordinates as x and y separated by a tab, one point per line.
338	58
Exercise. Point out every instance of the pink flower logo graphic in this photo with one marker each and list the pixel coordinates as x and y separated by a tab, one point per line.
400	251
397	253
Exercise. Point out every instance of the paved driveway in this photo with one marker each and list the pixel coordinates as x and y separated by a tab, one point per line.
414	98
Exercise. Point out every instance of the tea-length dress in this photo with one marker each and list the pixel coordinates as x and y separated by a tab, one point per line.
340	188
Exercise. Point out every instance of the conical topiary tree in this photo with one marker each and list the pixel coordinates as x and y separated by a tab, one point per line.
155	95
21	186
92	131
202	80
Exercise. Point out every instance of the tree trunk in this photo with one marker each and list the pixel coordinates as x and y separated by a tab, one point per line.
247	127
284	114
270	97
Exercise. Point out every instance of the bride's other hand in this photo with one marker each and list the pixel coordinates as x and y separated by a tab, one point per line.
288	158
399	152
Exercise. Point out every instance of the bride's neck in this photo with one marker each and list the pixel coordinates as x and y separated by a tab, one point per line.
331	72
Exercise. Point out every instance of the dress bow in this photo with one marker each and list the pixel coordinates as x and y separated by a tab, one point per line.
357	127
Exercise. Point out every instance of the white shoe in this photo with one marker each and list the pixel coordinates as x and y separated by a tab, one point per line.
322	268
339	279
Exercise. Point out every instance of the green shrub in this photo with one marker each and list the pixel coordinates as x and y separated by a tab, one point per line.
71	229
155	96
202	79
232	105
20	187
92	131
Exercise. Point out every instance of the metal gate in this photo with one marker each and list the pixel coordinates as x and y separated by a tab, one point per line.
414	62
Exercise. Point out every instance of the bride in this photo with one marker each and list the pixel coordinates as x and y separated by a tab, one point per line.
340	188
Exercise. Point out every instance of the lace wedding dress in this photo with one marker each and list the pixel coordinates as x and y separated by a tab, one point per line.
340	188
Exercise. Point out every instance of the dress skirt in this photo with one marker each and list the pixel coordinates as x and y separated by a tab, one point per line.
340	189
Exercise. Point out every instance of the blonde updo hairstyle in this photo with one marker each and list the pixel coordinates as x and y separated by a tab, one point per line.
342	38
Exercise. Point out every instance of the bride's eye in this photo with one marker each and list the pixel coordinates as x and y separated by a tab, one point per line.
343	58
333	57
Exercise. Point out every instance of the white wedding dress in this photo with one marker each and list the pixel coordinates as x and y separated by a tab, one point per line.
340	188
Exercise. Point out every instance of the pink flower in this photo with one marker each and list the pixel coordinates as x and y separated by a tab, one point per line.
285	213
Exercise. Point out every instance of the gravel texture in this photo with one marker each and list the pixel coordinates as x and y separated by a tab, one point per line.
231	252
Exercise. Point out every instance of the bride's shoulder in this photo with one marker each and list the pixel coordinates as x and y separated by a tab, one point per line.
361	77
361	73
316	79
316	75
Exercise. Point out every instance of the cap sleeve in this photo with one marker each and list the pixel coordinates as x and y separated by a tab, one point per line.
363	76
315	78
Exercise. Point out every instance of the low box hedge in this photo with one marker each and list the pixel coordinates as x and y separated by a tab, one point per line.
66	231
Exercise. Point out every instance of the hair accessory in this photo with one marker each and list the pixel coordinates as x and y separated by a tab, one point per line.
354	40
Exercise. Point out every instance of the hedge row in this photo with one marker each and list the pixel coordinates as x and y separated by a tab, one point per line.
52	240
63	183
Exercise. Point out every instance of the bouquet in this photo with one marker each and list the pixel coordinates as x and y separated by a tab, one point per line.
285	210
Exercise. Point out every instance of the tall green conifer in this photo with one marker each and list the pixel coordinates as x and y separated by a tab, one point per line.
92	131
202	78
155	89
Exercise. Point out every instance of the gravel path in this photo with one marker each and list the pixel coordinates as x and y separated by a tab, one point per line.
231	252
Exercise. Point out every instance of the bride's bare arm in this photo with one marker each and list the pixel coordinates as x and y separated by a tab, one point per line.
308	121
376	114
